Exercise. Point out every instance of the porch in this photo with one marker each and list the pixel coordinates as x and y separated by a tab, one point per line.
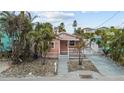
67	47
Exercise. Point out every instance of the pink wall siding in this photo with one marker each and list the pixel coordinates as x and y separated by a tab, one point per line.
63	46
56	46
53	52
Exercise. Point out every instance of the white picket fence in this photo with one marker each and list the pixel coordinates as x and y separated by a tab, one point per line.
72	53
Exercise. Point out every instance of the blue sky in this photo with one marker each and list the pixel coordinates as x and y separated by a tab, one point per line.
84	18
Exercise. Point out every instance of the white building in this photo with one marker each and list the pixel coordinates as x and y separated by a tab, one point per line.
89	30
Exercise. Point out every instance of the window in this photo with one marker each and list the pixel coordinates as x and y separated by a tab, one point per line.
72	43
52	45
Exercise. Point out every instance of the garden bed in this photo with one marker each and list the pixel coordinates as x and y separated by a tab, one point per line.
34	68
73	65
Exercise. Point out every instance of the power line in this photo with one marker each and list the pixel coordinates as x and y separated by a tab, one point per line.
108	19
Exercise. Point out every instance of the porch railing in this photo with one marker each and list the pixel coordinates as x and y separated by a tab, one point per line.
72	53
63	52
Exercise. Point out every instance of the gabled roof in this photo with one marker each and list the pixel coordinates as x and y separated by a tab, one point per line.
67	36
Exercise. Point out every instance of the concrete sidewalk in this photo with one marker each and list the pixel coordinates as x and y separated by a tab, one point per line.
62	66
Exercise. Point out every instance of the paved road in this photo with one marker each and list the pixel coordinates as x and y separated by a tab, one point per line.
105	65
66	77
62	66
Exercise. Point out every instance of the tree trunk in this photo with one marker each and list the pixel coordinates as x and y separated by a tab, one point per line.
80	62
44	60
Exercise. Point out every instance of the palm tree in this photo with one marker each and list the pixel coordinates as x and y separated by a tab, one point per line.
80	46
78	31
61	27
28	26
7	22
17	26
1	43
74	25
25	24
42	39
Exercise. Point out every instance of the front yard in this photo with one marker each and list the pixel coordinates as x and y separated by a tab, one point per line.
73	65
34	68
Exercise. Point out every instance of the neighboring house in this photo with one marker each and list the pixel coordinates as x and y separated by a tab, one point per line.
5	41
103	28
89	30
64	44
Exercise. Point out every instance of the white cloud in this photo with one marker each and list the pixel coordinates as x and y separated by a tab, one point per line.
55	16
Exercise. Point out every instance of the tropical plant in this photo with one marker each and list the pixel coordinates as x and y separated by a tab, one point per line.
112	42
116	45
1	43
78	31
17	25
61	27
80	46
41	39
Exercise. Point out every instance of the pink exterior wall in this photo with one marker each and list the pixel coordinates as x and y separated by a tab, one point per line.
63	45
54	52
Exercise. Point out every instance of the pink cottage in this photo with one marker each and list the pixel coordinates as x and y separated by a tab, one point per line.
64	44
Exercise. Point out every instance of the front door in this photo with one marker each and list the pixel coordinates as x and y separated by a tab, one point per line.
64	47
